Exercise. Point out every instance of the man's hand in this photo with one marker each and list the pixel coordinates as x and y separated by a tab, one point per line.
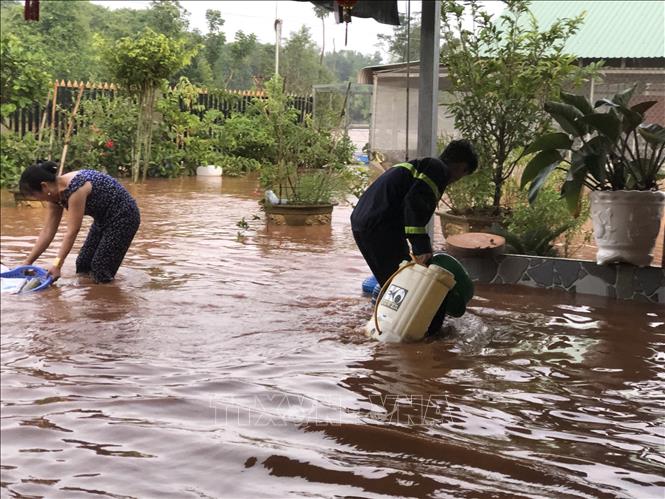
54	272
422	259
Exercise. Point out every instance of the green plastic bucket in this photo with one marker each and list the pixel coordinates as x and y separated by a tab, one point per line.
462	292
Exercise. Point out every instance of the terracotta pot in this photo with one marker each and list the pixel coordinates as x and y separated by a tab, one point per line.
299	214
626	225
461	224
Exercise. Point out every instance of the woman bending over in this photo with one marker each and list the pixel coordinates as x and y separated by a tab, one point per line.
84	192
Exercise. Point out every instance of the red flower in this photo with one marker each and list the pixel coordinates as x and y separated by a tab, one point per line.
109	144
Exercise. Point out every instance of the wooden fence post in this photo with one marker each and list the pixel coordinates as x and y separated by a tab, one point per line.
70	127
53	107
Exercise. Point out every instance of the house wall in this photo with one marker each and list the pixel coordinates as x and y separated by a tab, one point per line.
388	132
388	125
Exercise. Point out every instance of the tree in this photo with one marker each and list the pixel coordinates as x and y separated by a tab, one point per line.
301	68
501	75
321	12
140	64
63	33
168	17
345	64
215	38
24	76
403	36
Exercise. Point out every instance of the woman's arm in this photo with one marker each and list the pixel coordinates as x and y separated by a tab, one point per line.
75	212
52	222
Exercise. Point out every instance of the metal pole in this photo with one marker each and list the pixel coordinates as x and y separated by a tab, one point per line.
408	74
278	40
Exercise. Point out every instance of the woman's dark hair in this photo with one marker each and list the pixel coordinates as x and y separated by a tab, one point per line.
461	151
33	176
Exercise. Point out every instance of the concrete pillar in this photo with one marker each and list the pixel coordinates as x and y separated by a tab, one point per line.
428	94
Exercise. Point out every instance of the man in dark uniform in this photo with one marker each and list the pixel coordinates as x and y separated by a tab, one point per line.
398	205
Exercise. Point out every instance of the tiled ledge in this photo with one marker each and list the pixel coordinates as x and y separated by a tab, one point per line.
575	276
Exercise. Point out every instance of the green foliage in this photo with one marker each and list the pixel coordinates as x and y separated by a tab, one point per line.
143	61
70	32
502	73
304	163
24	77
168	17
140	64
469	193
63	35
243	135
300	66
612	149
195	141
16	154
345	64
401	37
234	166
242	60
532	229
105	138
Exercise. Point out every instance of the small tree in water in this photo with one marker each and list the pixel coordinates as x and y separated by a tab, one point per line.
501	74
139	65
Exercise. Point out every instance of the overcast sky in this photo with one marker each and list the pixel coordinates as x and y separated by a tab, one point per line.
258	16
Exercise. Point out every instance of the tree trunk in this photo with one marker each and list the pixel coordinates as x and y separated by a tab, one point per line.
323	41
148	132
136	164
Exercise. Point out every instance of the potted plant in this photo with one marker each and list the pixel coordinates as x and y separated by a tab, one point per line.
608	149
305	166
500	74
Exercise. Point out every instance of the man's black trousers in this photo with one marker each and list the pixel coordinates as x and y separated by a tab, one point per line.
384	248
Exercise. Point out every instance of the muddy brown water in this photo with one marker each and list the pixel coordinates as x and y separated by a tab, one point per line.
226	366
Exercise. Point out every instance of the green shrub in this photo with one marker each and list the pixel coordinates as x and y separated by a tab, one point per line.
534	229
245	135
16	154
234	166
106	134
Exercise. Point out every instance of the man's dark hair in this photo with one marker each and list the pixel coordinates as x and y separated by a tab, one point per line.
461	151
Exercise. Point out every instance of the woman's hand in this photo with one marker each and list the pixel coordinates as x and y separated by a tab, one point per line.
54	272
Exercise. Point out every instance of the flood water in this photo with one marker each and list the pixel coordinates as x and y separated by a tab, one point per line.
227	365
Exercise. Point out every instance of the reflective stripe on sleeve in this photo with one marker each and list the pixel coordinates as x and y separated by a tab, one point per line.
415	230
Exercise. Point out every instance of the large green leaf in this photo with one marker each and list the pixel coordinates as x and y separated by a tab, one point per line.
635	115
604	102
567	116
558	140
623	98
541	161
631	119
643	107
597	145
595	165
608	124
654	133
570	191
578	101
538	182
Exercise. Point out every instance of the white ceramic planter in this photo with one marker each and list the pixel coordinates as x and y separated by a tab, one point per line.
209	171
626	224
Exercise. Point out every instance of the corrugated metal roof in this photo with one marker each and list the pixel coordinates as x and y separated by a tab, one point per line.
633	28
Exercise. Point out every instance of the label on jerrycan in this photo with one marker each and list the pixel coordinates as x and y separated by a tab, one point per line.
394	297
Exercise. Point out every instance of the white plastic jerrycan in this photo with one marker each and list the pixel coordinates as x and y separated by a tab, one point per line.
410	302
